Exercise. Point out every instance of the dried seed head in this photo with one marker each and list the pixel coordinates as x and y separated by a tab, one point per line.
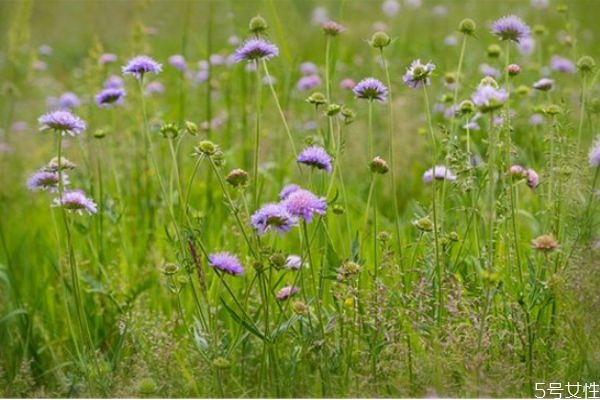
545	243
237	178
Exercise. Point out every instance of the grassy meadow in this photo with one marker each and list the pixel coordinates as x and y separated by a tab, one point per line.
174	259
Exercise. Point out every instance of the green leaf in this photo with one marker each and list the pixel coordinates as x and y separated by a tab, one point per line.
251	328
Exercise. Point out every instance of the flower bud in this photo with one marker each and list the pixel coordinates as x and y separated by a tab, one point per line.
99	133
586	64
237	177
299	307
169	130
424	224
467	107
379	166
332	28
206	147
317	99
467	26
379	40
257	25
494	51
333	109
191	128
513	69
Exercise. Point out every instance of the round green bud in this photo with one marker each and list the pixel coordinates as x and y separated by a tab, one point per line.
523	90
467	26
333	109
207	148
424	224
299	307
450	78
147	386
170	269
447	98
552	109
494	51
257	25
99	133
379	40
467	107
317	98
338	209
540	30
169	130
191	128
586	64
562	8
277	260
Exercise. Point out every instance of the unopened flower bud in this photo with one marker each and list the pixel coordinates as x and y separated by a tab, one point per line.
467	107
169	130
424	224
333	109
379	40
299	307
191	128
317	99
513	69
237	177
206	147
379	166
467	26
494	51
257	25
586	64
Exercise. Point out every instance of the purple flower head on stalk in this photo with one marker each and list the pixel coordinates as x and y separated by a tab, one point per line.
417	74
68	100
274	216
316	157
562	64
308	68
472	126
225	262
45	180
594	154
201	76
140	65
177	61
370	89
517	171
489	98
304	204
255	49
308	82
526	46
62	121
107	58
293	262
347	84
76	201
154	87
287	190
286	292
488	70
438	172
512	28
544	84
532	178
113	82
332	28
110	97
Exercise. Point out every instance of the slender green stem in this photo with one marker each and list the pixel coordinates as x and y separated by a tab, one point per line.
257	134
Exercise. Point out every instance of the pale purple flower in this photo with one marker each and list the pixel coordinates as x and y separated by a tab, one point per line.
269	80
544	84
225	262
532	178
511	27
5	147
46	180
154	87
536	119
518	171
45	50
308	68
390	7
439	172
439	11
308	82
471	126
113	82
451	40
76	201
489	98
255	49
332	28
562	64
319	16
417	74
304	204
201	76
233	40
62	121
287	190
347	84
177	61
488	70
39	65
451	111
316	157
594	154
217	59
68	100
540	3
107	58
140	65
370	89
293	262
275	216
19	126
413	3
286	292
110	97
526	46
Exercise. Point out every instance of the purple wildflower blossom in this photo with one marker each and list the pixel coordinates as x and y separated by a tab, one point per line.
45	180
76	201
488	70
562	64
332	28
511	27
308	82
308	68
293	262
304	204
390	7
594	154
347	84
45	50
489	98
450	40
544	84
113	82
255	49
68	100
316	157
286	292
417	74
62	121
107	58
274	216
370	89
217	59
140	65
287	190
536	119
110	97
225	262
526	46
154	87
532	178
177	61
438	172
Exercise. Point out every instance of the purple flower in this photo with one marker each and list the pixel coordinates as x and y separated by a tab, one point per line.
177	61
450	40
489	98
76	201
390	7
154	87
536	119
217	59
45	50
417	74
68	100
62	121
255	49
308	68
274	216
293	262
113	82
201	76
511	27
45	180
225	262
562	64
488	70
332	28
316	157
370	89
303	204
140	65
438	172
110	97
107	58
526	46
594	154
308	82
532	178
286	292
347	84
287	190
544	84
